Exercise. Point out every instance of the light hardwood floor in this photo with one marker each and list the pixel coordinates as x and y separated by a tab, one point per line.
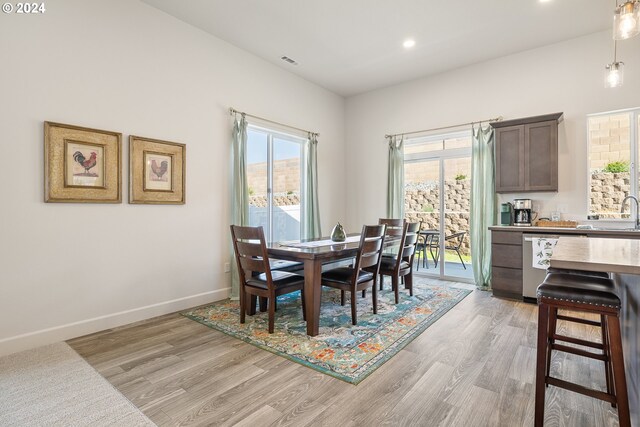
473	367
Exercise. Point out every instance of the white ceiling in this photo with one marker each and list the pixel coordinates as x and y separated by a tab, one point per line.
353	46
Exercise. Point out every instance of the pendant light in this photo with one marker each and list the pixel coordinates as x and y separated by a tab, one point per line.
614	72
626	20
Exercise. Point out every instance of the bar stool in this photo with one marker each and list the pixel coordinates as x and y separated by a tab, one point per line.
581	293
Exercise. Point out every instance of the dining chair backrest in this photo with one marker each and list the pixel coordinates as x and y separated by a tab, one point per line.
411	235
371	245
395	227
251	251
456	239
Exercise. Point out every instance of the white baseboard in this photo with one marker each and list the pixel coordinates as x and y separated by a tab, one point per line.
83	327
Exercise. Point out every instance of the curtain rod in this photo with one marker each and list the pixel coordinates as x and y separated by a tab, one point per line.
496	119
233	111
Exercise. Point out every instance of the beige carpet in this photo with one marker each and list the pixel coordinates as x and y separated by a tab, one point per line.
53	385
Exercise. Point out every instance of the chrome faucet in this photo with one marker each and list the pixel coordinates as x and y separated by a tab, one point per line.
637	222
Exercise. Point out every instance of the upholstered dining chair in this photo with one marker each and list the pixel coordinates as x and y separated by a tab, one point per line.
355	278
257	279
401	266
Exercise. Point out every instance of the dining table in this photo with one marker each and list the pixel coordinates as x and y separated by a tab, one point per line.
314	253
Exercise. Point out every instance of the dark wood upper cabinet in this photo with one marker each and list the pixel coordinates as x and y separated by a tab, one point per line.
527	154
510	151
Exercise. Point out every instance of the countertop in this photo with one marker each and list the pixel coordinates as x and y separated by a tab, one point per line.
597	254
562	230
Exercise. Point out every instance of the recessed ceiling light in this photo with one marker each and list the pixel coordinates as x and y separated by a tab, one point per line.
409	43
544	1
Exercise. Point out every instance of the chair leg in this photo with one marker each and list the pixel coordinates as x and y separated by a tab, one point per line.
617	362
434	257
341	297
354	314
381	277
396	288
425	261
364	292
304	307
263	304
541	362
408	280
461	260
417	258
607	354
272	313
252	304
243	303
374	299
553	321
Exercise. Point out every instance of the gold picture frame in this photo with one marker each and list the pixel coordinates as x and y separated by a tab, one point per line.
156	171
81	165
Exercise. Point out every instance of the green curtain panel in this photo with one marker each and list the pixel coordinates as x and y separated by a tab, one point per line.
395	182
483	203
239	191
312	210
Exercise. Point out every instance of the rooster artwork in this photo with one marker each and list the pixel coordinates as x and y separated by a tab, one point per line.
85	165
159	172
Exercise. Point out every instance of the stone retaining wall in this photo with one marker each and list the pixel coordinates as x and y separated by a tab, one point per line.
282	199
422	203
607	192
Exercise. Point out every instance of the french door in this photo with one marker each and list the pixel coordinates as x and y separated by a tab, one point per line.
275	180
437	192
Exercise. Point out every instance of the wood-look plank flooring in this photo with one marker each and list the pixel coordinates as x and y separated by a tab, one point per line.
473	367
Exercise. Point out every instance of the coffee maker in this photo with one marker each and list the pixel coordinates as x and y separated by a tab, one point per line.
522	212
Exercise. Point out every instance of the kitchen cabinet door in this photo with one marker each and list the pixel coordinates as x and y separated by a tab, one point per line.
510	159
541	154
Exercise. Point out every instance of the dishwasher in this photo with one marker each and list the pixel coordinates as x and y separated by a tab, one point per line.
531	276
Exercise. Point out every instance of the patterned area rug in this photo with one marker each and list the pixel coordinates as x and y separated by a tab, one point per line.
342	350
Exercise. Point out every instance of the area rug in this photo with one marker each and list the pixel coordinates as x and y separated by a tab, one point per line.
53	385
341	349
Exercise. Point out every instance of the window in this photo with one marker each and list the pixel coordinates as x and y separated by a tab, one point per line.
275	180
613	162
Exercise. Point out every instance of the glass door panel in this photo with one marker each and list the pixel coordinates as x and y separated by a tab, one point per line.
422	203
258	179
457	197
286	190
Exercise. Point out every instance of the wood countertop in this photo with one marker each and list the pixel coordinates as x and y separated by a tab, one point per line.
597	254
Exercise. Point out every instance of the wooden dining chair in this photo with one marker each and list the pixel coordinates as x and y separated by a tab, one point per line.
256	276
355	278
395	228
401	266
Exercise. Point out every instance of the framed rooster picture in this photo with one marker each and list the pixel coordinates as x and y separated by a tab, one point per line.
156	171
82	165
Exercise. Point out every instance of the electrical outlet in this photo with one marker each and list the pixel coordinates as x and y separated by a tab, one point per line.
227	267
562	208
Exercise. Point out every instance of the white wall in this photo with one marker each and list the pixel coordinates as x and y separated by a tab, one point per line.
565	77
120	65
